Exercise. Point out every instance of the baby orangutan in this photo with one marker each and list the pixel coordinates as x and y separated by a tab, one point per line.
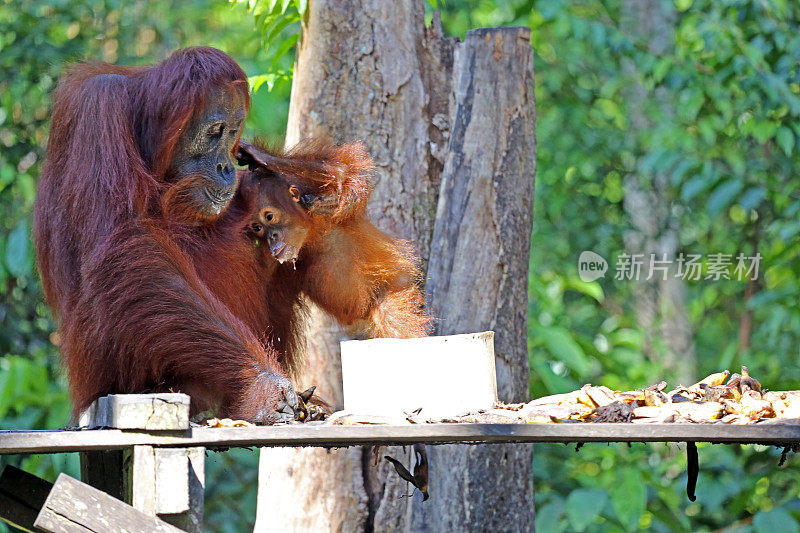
361	276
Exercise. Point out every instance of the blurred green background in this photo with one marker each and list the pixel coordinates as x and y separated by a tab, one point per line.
663	127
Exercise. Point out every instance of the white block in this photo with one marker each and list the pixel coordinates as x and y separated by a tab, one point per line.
446	376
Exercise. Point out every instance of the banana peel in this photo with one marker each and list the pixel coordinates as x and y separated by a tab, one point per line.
711	380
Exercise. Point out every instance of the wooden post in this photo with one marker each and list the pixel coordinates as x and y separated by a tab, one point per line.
164	482
440	118
478	270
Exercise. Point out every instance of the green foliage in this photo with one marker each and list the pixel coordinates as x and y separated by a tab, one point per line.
276	22
722	104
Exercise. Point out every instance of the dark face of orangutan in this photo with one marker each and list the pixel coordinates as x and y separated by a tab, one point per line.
202	166
279	220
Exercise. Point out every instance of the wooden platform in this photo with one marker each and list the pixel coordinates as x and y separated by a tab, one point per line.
29	442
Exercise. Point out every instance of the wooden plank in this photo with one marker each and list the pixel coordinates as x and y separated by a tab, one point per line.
161	411
22	495
75	507
54	441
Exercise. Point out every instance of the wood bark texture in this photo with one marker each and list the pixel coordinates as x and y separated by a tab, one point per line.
434	113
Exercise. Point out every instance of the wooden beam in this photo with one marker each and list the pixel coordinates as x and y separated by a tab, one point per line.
22	495
55	441
75	507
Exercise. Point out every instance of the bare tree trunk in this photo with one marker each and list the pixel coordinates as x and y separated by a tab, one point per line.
660	303
478	271
369	70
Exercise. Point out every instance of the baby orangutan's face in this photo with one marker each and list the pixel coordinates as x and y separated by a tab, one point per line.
279	220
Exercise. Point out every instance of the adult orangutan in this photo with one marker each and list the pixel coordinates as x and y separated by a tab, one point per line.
142	255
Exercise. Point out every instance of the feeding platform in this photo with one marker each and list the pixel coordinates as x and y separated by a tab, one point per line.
143	461
154	474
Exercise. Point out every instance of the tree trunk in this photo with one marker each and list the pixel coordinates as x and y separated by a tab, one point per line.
660	303
371	71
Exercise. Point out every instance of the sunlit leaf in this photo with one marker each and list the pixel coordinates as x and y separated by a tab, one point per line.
280	25
564	348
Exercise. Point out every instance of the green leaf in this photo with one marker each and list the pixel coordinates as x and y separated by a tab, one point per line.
764	130
17	250
589	288
719	199
301	5
583	505
255	82
736	160
629	499
280	25
283	48
785	139
553	383
7	174
263	20
548	516
564	348
789	230
752	198
695	186
778	519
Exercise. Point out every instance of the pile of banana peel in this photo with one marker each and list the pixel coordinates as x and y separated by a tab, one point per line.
722	398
